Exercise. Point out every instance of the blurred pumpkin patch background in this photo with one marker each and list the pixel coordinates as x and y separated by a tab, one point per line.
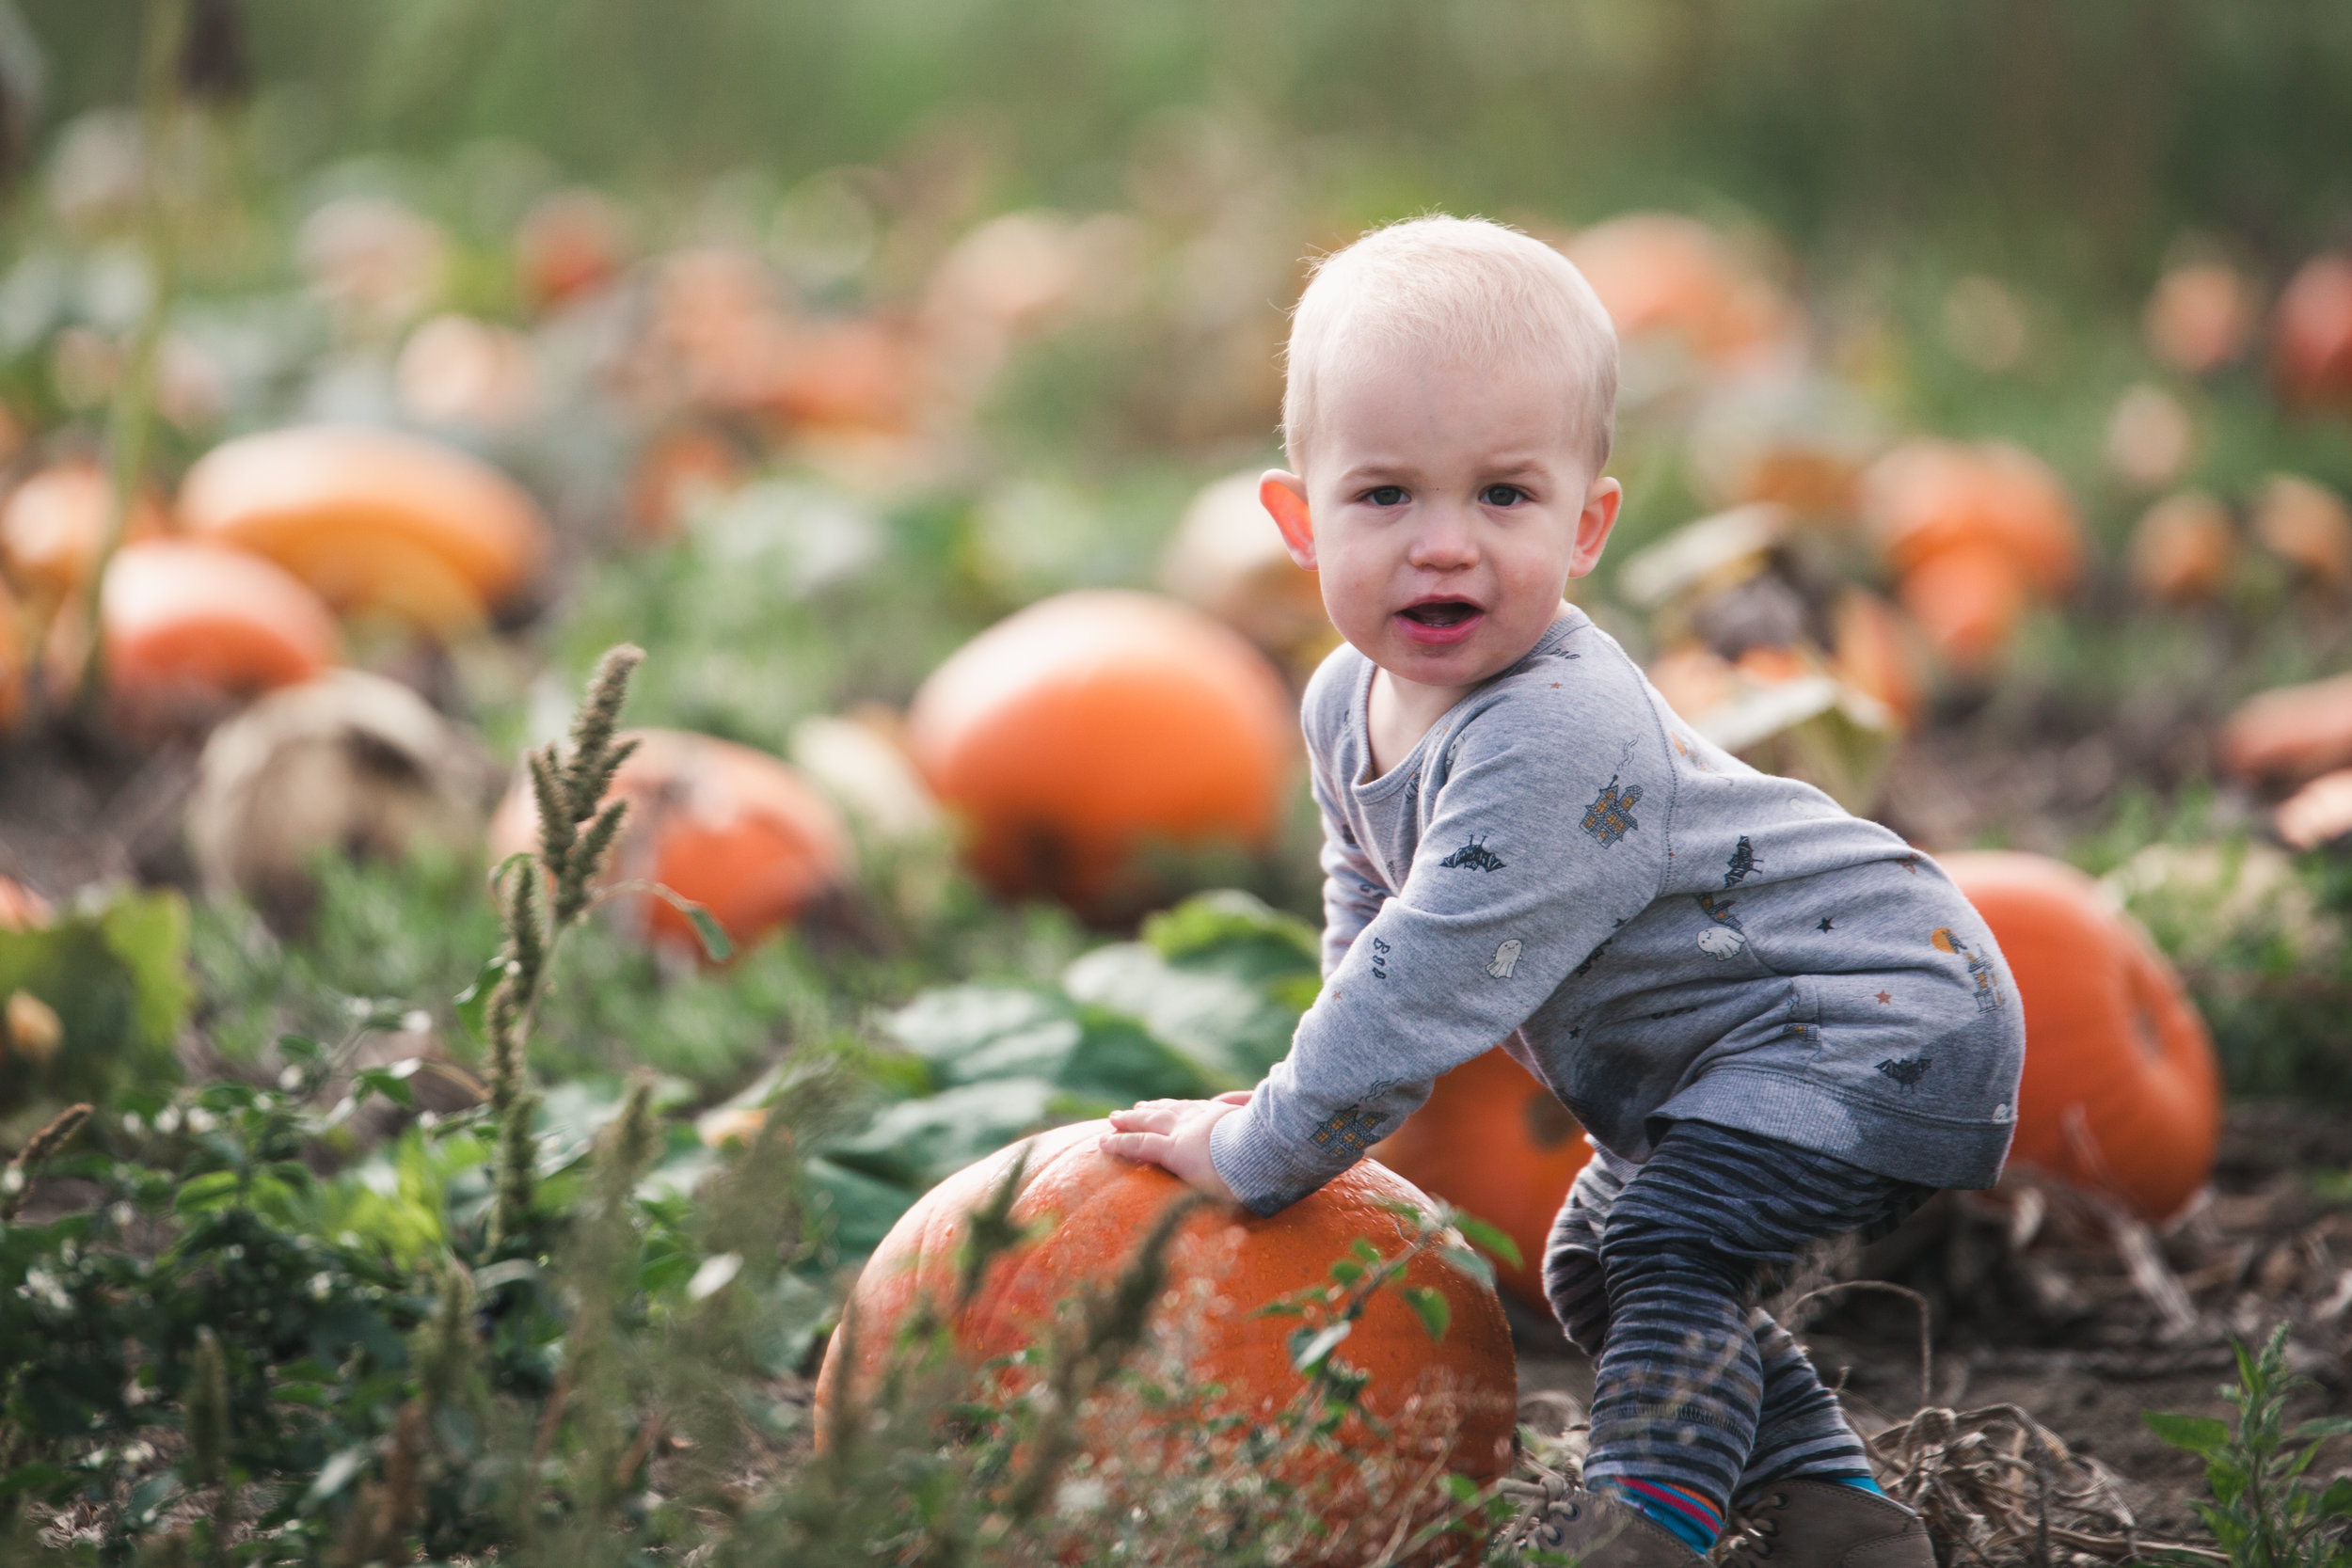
894	376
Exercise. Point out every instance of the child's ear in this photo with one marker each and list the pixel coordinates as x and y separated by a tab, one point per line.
1593	523
1284	494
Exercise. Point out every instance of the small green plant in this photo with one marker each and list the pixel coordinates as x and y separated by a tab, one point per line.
2265	1512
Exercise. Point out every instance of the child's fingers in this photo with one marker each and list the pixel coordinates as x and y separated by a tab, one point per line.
1153	1116
1150	1148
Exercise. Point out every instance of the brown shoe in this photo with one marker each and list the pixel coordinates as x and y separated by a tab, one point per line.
1563	1521
1827	1524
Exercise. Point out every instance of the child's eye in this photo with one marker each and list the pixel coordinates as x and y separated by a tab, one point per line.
1386	495
1503	494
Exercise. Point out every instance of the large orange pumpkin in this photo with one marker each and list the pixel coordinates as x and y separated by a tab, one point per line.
2122	1091
730	827
191	628
2291	733
2310	353
1451	1400
1500	1146
373	519
1079	731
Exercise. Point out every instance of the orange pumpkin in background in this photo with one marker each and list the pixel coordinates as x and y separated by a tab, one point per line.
54	525
1972	532
1875	650
2308	526
2290	733
570	243
848	375
1431	1407
192	627
1660	273
15	656
1497	1144
1227	558
2184	548
1966	602
21	908
2121	1092
730	827
1076	734
2310	335
373	519
679	470
2199	316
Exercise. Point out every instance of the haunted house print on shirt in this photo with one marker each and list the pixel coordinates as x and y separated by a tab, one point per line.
1980	969
1351	1128
1742	861
1610	818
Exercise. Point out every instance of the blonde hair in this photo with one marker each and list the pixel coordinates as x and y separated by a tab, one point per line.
1455	289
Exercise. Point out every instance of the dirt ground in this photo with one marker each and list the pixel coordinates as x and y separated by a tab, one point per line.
2054	1320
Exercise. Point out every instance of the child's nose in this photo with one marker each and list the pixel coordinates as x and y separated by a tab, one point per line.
1445	539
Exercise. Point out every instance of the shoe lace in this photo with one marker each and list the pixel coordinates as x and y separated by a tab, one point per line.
1547	1503
1755	1542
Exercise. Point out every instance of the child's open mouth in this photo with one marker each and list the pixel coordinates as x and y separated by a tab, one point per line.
1437	622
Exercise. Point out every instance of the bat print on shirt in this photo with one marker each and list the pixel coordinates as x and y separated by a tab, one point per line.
1474	856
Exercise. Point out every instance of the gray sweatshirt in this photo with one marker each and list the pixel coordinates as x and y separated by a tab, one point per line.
1653	928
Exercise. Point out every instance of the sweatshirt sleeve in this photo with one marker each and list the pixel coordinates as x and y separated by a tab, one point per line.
1352	894
1546	830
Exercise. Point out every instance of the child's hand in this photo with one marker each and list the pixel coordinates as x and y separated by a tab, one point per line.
1174	1136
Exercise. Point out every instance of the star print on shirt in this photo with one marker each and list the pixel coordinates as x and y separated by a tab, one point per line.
1886	996
1827	922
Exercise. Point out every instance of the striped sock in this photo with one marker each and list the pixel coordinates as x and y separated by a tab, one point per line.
1692	1517
1865	1483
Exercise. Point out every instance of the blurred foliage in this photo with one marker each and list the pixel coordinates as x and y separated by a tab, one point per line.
2263	940
114	973
2080	136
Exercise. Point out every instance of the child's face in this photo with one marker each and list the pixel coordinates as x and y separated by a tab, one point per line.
1445	508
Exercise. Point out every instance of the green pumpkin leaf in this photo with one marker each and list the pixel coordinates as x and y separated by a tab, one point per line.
1492	1238
2199	1434
1435	1312
1463	1260
1308	1347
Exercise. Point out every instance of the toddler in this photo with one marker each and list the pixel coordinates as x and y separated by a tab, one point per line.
1776	1022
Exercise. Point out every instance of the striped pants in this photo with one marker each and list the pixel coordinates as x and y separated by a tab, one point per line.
1656	1270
